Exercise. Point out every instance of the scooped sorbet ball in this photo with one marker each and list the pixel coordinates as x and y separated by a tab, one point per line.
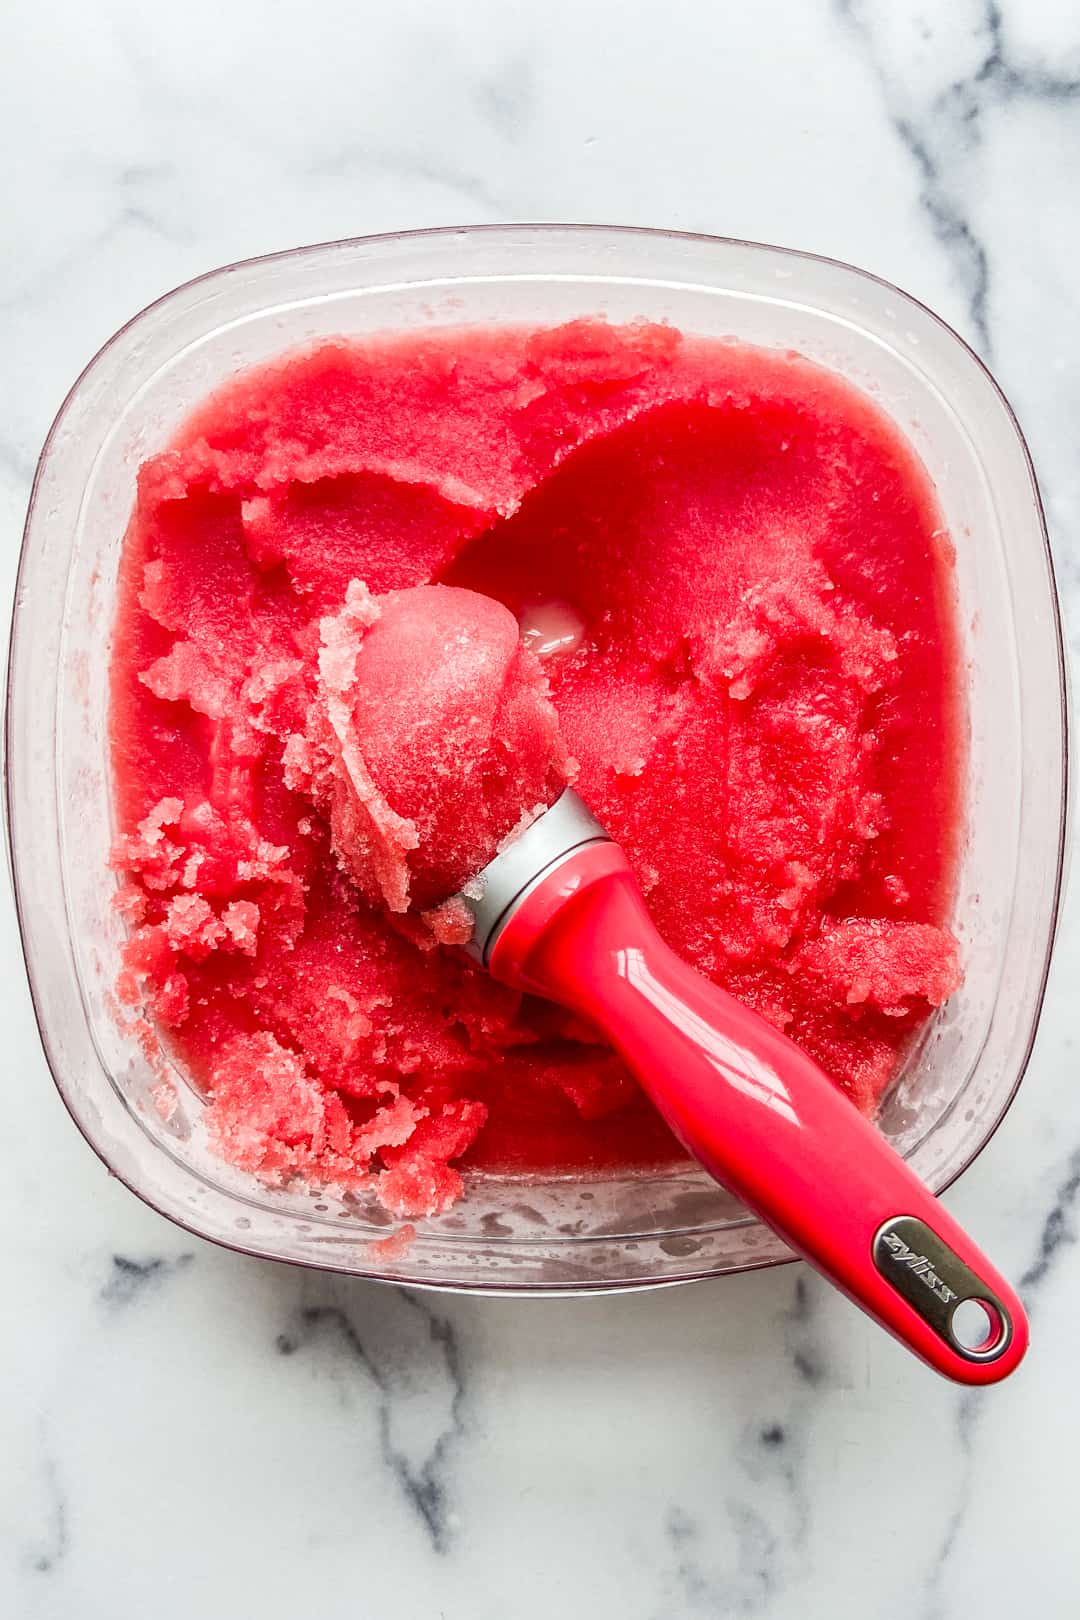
430	741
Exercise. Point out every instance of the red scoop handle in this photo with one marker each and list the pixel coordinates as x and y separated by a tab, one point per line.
762	1117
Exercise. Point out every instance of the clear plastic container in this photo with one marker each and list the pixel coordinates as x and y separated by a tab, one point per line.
561	1233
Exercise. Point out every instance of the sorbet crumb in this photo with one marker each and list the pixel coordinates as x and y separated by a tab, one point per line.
166	1100
394	1247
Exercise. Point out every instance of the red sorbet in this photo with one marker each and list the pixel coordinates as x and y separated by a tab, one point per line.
737	567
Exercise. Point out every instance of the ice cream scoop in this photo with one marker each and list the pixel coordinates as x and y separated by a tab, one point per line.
558	913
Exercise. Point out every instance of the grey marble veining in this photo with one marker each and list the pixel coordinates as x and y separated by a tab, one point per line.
183	1431
940	104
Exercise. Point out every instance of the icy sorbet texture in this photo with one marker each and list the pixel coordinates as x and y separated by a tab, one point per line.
379	602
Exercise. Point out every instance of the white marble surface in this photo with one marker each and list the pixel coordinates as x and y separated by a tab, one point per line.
186	1432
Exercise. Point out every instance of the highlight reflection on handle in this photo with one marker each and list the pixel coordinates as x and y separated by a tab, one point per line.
735	1064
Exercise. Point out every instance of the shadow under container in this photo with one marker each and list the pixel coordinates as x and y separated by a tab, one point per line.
550	1234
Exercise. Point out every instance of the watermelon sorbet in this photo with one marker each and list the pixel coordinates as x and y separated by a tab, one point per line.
379	601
